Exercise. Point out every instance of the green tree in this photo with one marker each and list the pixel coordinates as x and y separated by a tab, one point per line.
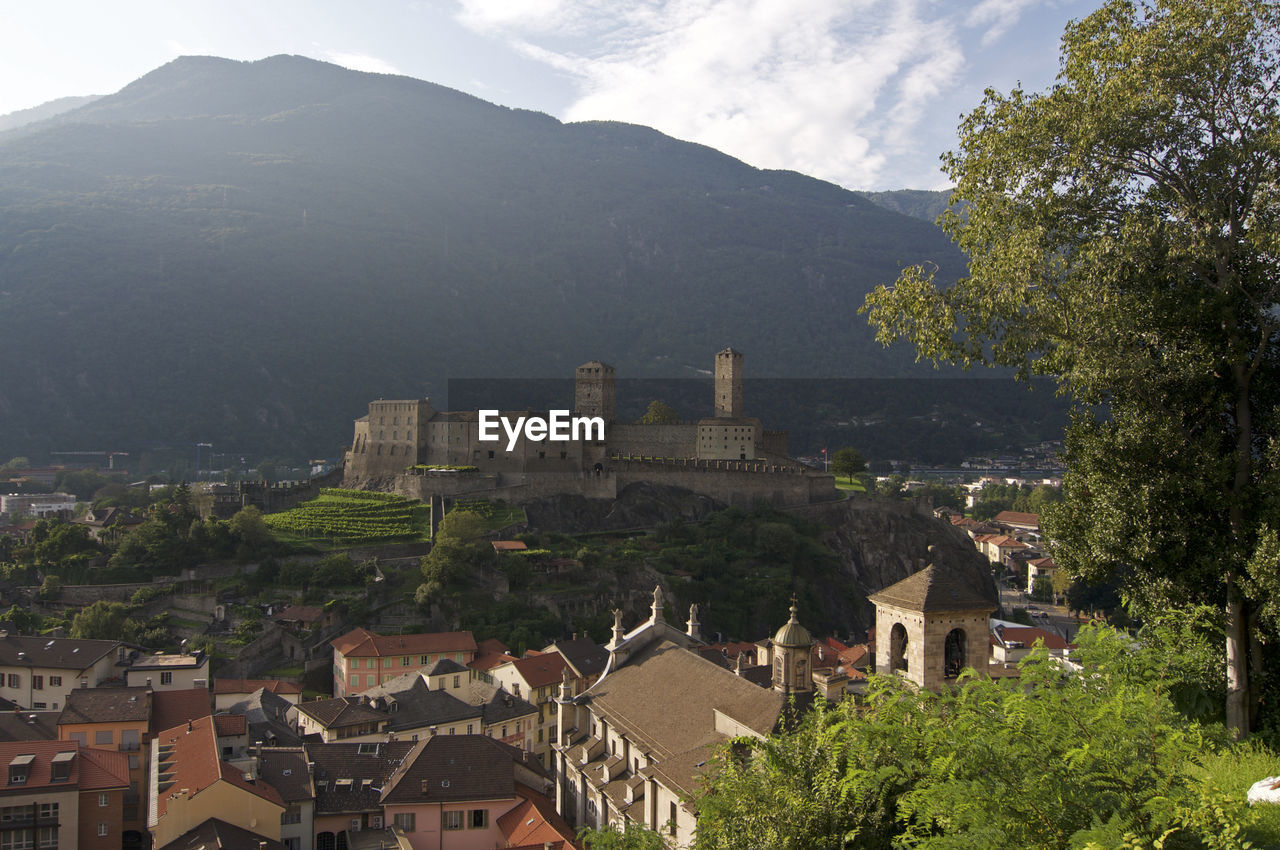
251	529
1122	233
15	463
634	837
848	462
104	620
659	413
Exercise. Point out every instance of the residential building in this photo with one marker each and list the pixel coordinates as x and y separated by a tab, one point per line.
19	725
59	794
38	672
170	672
1011	643
190	783
339	719
417	710
362	659
268	719
453	792
285	769
114	719
349	779
537	679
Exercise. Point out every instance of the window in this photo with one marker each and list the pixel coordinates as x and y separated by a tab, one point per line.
293	814
470	729
404	662
478	819
405	821
48	836
355	680
39	706
48	811
133	762
15	681
294	843
325	841
129	740
452	820
371	679
166	677
55	681
457	681
37	683
103	736
671	827
80	738
103	800
102	830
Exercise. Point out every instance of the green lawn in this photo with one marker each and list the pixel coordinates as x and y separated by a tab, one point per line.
854	486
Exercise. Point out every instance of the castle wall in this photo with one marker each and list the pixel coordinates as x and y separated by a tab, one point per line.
741	483
674	440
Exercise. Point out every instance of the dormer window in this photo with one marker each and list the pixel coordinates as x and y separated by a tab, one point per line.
19	769
60	769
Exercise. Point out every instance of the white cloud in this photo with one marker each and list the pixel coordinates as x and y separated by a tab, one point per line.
360	62
832	88
998	16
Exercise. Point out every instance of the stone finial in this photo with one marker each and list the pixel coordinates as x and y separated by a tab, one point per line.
693	630
566	690
737	665
657	604
618	633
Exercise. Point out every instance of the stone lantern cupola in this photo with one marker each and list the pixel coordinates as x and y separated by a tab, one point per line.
791	647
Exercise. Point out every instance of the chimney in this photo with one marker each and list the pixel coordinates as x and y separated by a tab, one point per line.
189	726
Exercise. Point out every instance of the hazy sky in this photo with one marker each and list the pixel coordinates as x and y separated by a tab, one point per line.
865	93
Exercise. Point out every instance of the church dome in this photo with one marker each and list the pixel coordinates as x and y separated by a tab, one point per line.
792	634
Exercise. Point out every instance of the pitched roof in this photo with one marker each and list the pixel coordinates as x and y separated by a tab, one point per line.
1028	635
362	642
585	656
1017	518
191	753
267	716
456	768
446	666
416	706
40	754
636	699
533	821
101	770
172	708
58	653
106	705
285	769
169	662
486	661
510	546
357	762
301	613
217	834
230	724
248	686
29	725
541	670
341	711
934	588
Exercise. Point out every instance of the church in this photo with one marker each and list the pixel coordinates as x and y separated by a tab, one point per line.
626	751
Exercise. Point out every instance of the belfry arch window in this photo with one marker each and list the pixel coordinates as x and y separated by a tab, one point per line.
898	647
954	653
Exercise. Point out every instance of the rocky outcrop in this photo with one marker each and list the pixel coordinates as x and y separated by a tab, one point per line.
639	506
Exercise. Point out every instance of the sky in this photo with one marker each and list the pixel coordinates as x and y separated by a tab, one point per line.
863	93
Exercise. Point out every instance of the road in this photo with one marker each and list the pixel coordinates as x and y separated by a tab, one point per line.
1059	622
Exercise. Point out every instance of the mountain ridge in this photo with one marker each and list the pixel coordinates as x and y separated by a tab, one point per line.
254	250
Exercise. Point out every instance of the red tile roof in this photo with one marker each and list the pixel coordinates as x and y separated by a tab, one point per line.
534	821
103	769
171	708
491	645
248	686
1029	635
42	753
230	724
541	670
488	660
192	752
364	643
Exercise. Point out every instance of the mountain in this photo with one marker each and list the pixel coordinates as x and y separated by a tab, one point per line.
22	117
248	252
917	203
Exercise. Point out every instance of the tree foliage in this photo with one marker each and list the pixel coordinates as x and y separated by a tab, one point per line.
659	413
1123	235
1050	761
848	462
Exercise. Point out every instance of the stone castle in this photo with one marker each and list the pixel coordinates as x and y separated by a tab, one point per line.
408	446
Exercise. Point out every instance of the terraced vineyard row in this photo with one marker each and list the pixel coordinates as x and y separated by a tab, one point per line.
351	516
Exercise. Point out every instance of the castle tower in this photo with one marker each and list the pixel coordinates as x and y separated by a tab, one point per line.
729	373
930	626
791	647
595	390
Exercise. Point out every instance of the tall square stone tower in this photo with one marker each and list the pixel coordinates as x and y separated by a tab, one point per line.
595	390
729	371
